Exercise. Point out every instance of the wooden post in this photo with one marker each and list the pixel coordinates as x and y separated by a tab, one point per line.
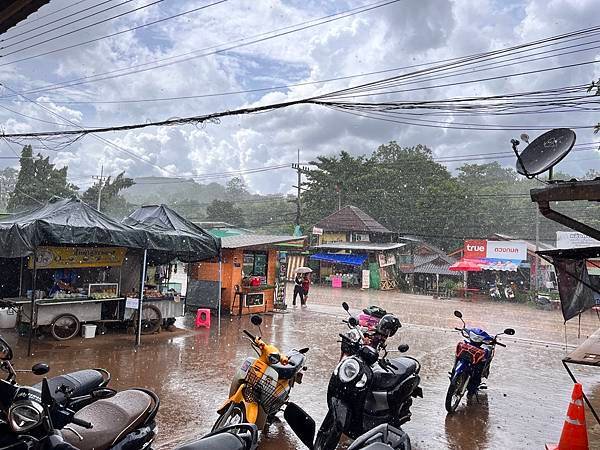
33	315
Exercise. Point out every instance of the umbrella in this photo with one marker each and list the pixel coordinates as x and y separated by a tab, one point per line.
466	265
303	270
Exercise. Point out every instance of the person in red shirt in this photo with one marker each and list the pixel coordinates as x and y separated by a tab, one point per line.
305	288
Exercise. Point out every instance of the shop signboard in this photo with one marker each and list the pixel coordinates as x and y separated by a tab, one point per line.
506	250
366	274
317	231
73	257
574	239
281	279
386	260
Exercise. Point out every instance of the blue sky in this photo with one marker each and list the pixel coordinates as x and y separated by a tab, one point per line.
404	33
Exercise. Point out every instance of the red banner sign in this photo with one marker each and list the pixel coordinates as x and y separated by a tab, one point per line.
475	249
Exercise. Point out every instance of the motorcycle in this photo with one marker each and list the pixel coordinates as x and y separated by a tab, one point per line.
262	385
382	437
367	389
109	421
243	436
364	333
472	363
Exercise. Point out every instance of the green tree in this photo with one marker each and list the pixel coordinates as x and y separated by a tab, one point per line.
38	182
8	180
225	211
236	190
111	202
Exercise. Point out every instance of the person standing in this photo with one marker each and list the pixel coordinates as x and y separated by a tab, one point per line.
305	288
298	289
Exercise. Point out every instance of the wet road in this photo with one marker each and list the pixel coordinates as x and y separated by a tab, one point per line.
191	369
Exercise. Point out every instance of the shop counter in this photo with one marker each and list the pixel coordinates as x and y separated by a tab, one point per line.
85	309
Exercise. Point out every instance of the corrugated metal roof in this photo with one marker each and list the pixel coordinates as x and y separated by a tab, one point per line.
351	218
254	240
14	11
435	269
364	246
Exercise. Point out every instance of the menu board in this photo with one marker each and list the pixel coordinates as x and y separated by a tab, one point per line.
281	279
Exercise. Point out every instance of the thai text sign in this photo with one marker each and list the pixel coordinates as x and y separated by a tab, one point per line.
66	257
481	249
574	239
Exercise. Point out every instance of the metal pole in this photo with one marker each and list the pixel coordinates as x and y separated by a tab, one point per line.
32	315
21	279
219	293
138	332
298	210
100	187
537	247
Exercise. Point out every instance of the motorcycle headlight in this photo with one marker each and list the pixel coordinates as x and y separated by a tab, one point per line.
274	358
348	370
25	415
476	337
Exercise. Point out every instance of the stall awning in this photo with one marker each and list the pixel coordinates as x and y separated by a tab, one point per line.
340	258
477	265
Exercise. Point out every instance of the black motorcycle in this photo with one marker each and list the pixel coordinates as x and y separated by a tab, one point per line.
367	389
382	437
110	421
242	436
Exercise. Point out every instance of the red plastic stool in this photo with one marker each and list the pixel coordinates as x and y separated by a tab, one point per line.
203	318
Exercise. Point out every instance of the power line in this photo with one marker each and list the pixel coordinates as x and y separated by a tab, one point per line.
253	40
154	22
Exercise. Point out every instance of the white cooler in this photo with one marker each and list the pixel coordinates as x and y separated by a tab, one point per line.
8	318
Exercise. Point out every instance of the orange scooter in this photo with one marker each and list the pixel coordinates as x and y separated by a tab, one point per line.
262	385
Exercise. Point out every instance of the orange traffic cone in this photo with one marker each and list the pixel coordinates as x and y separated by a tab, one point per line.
574	433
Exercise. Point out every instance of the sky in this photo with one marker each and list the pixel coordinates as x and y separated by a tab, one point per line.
197	58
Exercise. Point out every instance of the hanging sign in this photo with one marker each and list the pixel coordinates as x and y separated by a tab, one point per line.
317	231
386	260
508	250
69	257
574	239
132	303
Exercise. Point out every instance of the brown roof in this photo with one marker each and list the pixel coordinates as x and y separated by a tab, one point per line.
14	11
351	218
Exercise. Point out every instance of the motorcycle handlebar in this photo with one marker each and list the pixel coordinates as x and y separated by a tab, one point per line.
247	333
458	329
500	344
82	423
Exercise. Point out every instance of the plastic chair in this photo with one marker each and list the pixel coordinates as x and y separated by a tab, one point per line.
203	318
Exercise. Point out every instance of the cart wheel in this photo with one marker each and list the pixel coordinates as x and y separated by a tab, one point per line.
65	326
151	319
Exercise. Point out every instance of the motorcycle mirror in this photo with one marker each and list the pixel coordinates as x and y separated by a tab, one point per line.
345	306
458	314
353	321
301	423
256	320
40	369
102	393
47	399
403	348
303	350
509	331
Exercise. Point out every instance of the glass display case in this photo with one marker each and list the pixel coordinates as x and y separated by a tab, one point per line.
170	289
103	290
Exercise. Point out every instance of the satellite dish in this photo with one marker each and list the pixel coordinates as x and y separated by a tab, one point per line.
545	152
525	137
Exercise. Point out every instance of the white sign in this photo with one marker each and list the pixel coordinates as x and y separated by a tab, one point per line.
317	231
574	239
507	250
386	260
365	279
132	303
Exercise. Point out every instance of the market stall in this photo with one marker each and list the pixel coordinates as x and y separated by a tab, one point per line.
78	265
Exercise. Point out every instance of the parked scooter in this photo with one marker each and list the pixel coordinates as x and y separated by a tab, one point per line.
235	437
367	389
262	385
112	421
382	437
473	358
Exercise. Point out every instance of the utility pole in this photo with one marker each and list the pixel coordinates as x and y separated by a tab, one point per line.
537	247
300	170
100	179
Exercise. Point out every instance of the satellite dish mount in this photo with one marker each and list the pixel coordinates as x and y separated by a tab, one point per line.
544	152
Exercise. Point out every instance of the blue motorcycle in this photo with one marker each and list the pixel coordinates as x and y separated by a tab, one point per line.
473	358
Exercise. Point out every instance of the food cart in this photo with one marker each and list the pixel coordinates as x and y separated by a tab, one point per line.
107	258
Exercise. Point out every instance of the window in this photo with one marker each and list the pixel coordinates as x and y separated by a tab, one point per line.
255	264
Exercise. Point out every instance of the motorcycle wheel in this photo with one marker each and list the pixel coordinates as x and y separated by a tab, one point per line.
329	435
235	414
456	390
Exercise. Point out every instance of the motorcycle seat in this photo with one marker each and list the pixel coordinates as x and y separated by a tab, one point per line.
387	379
224	441
112	419
295	363
81	382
